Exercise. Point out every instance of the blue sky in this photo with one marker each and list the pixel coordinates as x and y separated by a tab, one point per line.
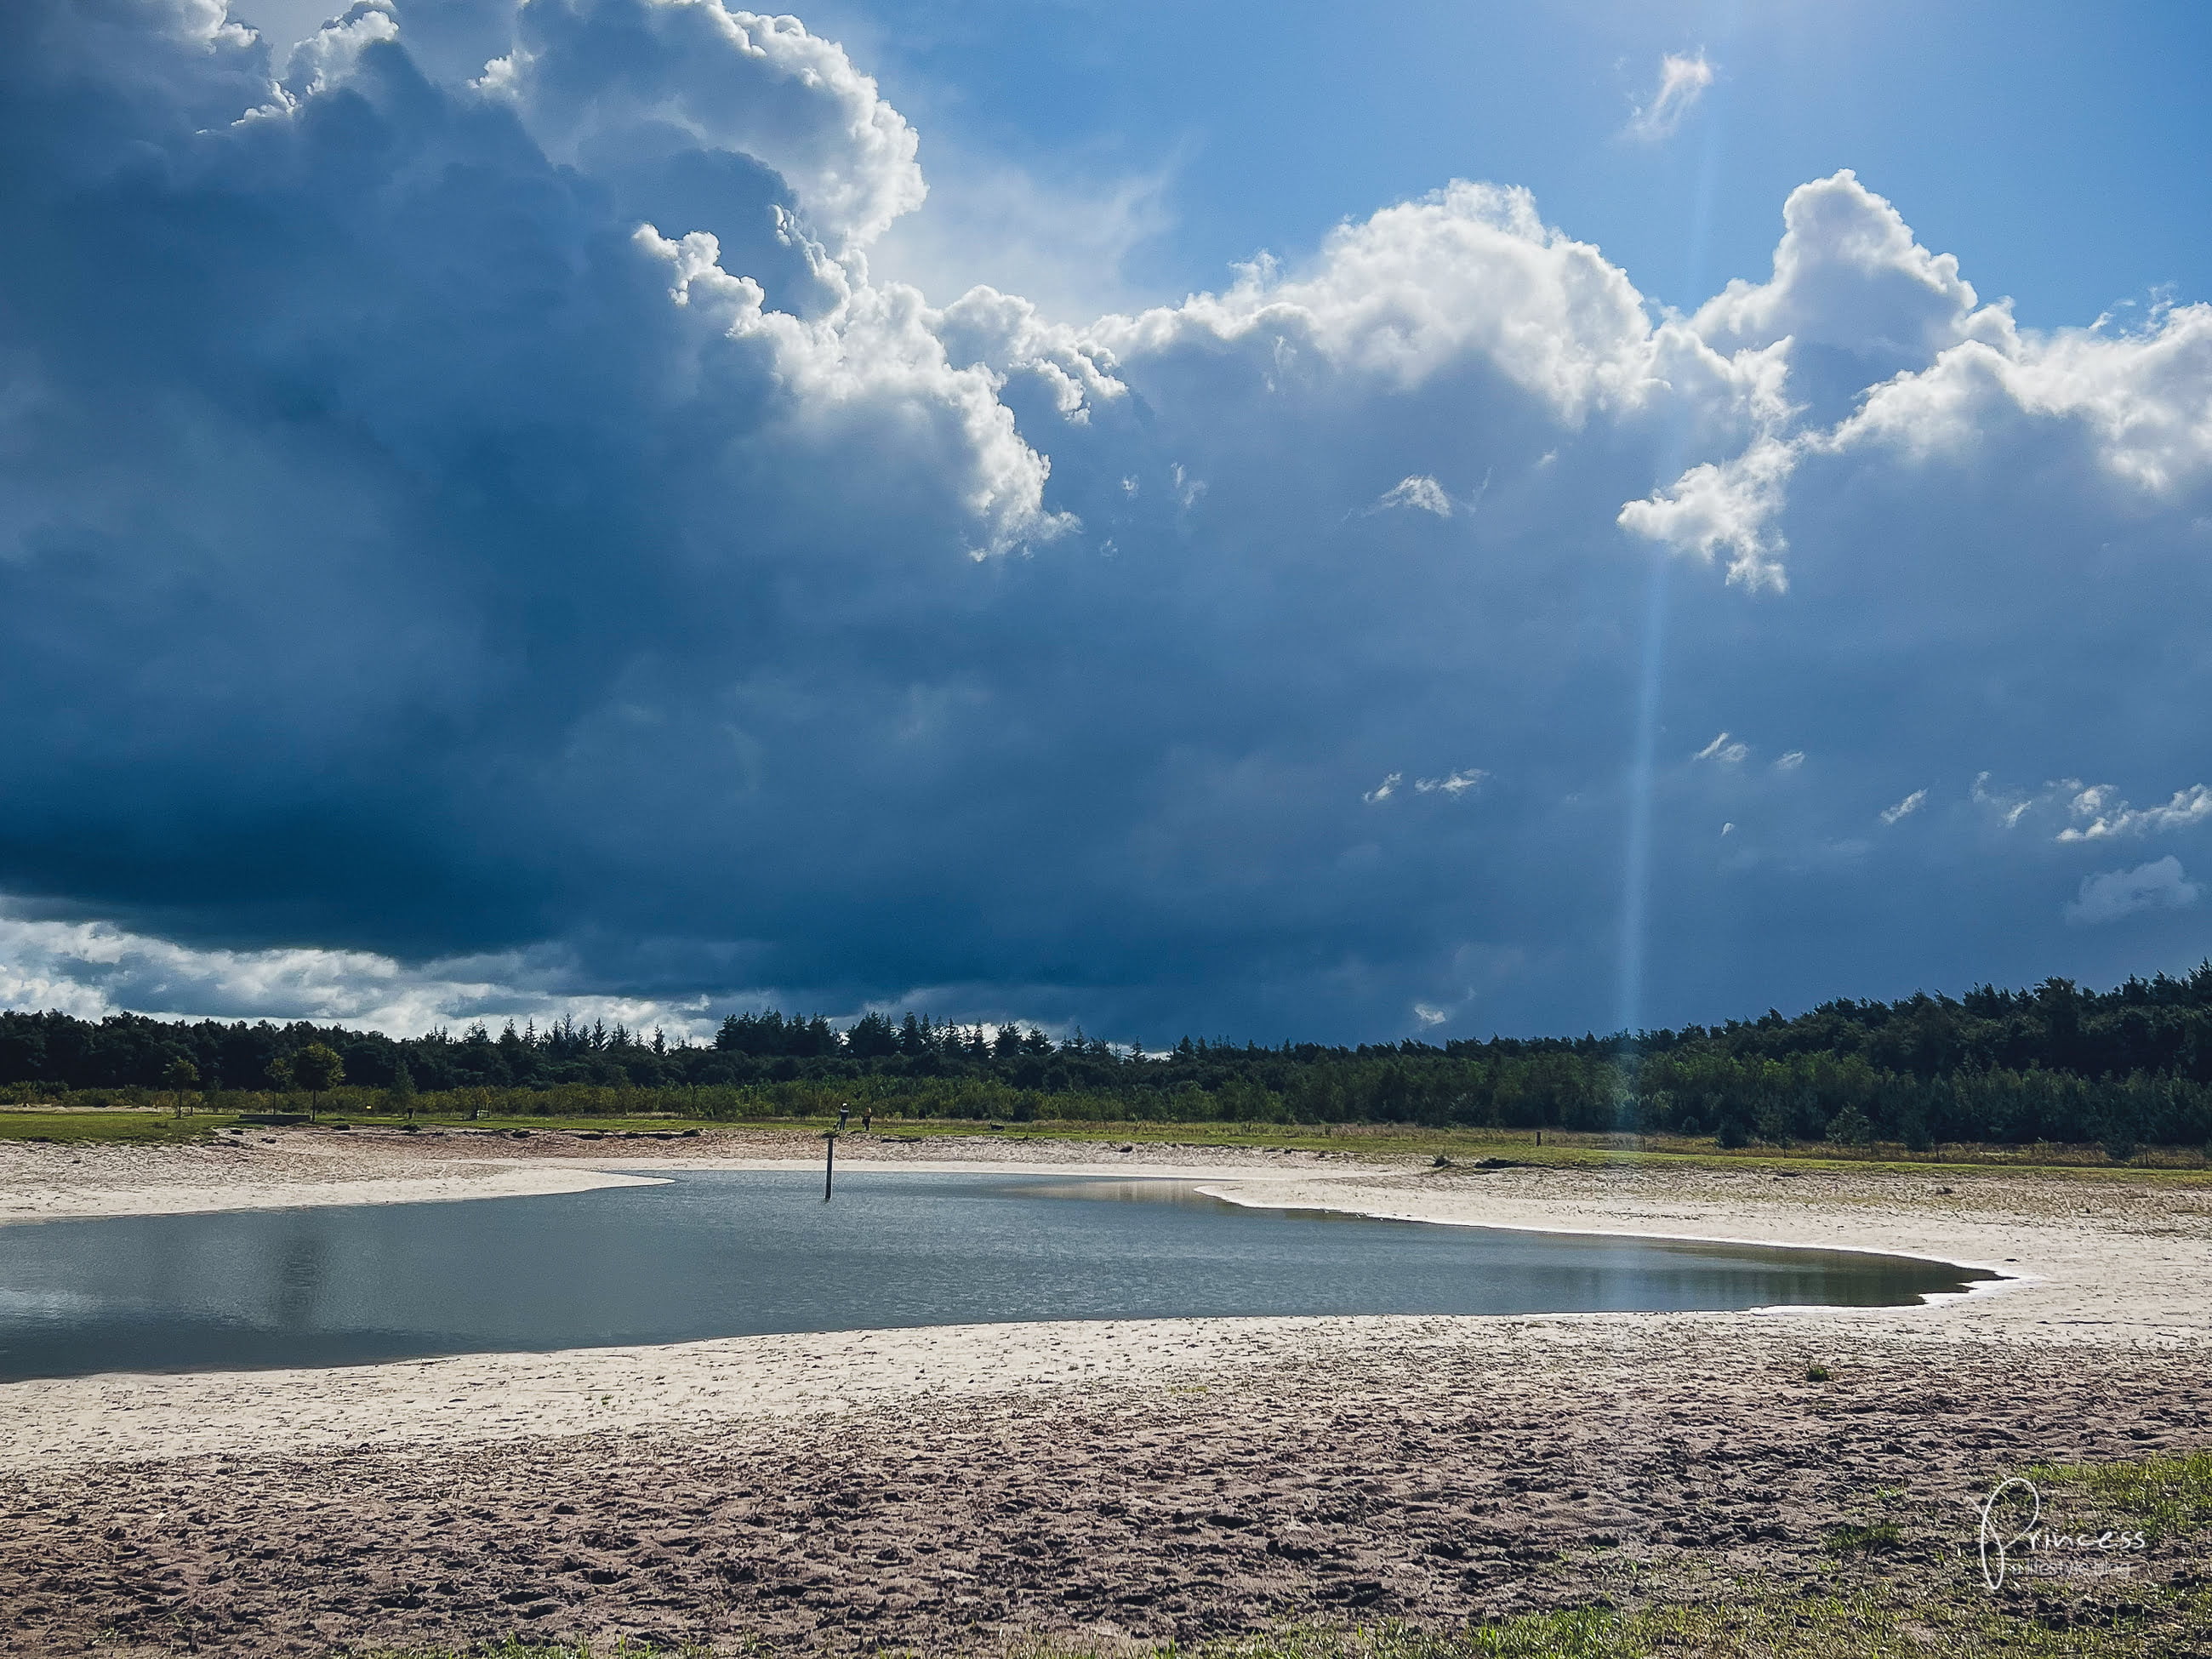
1258	521
2054	145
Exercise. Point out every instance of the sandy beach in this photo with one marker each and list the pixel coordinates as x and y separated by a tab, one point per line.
1144	1480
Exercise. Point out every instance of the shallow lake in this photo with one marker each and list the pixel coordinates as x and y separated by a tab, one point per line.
738	1254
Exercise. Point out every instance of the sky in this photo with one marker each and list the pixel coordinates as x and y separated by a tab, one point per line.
1256	522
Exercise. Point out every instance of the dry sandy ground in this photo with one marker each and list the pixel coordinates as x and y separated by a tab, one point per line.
957	1487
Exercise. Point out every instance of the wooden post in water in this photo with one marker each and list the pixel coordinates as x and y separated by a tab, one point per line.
829	1162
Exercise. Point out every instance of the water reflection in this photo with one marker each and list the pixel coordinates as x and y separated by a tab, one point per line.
300	1271
727	1254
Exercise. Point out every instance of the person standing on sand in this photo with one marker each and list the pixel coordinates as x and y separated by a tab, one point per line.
867	1119
843	1112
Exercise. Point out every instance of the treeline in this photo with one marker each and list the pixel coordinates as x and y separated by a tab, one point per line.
2121	1067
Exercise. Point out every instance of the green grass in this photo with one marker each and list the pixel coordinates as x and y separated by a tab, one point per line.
1869	1539
1871	1623
1572	1633
1882	1623
1560	1149
2160	1496
108	1127
610	1126
125	1124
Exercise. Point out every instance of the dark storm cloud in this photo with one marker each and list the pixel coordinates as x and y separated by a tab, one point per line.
467	501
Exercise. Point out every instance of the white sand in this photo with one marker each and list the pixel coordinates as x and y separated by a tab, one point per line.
288	1171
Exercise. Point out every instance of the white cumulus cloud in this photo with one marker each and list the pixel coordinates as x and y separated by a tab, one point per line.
2158	885
1886	355
1469	274
1905	808
2104	816
1850	275
1725	508
693	74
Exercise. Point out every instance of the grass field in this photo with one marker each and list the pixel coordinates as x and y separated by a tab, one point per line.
1561	1148
1867	1624
158	1128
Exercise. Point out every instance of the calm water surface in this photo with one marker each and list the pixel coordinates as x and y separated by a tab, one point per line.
734	1254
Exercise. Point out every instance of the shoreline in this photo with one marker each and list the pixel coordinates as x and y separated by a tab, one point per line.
1997	1278
2125	1280
325	1172
540	1178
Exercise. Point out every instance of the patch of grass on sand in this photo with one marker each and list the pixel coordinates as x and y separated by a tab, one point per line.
1871	1623
2159	1496
1452	1152
1556	1148
1571	1633
1882	1624
1865	1540
645	1124
141	1129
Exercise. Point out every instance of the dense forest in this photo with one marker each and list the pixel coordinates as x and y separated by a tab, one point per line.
2121	1067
